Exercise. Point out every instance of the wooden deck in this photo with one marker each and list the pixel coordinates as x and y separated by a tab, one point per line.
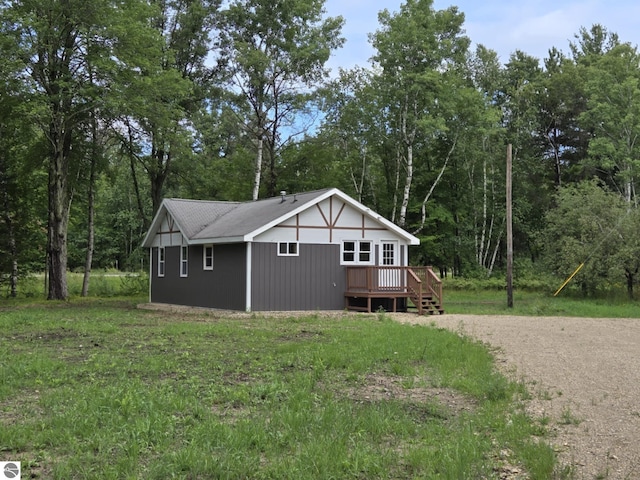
420	285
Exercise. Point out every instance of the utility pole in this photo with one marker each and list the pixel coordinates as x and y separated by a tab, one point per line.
509	231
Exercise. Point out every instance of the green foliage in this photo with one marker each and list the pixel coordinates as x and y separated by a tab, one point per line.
419	136
101	387
591	225
274	56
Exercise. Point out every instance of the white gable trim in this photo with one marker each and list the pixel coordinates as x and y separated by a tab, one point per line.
162	214
251	236
410	239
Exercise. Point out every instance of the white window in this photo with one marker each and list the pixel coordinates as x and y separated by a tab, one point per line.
184	261
207	257
357	252
388	254
288	249
161	260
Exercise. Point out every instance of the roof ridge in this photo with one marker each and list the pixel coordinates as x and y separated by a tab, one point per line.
195	200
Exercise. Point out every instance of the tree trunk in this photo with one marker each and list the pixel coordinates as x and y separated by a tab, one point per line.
423	209
630	277
161	161
258	169
90	209
58	223
408	138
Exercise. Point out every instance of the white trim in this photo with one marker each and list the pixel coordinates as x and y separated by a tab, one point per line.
411	239
204	257
150	271
356	252
247	299
396	253
163	262
214	241
184	261
287	248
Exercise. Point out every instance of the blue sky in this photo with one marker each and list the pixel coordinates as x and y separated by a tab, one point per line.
532	26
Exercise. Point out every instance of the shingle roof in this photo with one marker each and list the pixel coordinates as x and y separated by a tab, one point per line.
211	221
248	217
200	220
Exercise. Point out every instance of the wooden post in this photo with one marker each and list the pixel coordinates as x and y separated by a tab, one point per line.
509	231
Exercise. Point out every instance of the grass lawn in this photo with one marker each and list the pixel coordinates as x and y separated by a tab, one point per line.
99	389
539	304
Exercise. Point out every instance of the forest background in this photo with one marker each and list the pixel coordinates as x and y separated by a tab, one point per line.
106	107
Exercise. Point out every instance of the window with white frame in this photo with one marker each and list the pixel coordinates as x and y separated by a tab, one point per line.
161	261
287	249
207	257
357	252
184	261
388	253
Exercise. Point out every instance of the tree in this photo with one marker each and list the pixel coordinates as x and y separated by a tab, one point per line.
18	217
352	126
613	117
160	90
417	51
594	226
481	157
54	51
275	52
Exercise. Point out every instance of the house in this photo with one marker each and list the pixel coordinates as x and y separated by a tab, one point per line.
319	250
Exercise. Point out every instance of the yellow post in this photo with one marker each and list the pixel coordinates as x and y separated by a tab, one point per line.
569	279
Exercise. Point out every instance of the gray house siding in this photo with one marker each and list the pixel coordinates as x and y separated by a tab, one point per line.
223	287
313	280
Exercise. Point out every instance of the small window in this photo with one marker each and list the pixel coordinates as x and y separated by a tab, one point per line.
207	257
161	261
288	249
360	252
184	261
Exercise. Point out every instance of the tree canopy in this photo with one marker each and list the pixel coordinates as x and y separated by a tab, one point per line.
108	107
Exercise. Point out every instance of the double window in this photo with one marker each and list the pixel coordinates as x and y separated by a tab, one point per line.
287	249
357	252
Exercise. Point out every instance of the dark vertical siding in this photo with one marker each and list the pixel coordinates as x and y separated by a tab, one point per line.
223	287
314	280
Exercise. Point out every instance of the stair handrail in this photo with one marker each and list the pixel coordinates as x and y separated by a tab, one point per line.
415	285
434	285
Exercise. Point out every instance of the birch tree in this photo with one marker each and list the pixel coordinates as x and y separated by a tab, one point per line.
275	53
415	49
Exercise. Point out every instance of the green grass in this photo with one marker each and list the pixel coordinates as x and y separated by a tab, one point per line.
102	284
567	303
98	389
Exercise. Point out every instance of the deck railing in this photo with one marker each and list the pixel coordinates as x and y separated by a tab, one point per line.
414	282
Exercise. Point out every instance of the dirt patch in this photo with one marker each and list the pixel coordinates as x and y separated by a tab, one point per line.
384	387
584	374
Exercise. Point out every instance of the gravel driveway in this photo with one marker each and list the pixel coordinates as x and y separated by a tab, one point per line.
584	374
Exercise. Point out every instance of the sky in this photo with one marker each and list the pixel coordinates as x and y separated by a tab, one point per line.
533	26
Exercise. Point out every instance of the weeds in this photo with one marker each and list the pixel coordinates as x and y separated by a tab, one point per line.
568	418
